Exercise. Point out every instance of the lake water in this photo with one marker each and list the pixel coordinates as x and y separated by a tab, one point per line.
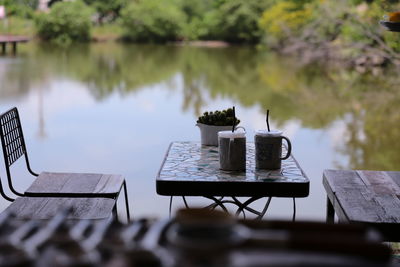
115	108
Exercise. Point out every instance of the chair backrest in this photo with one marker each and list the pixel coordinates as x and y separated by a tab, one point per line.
13	144
11	136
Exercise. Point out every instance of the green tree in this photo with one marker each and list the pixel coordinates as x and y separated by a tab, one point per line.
153	21
200	19
238	20
107	9
66	22
20	8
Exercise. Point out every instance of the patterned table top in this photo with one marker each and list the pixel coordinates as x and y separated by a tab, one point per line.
190	164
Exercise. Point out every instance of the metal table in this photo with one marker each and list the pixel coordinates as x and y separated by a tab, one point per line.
190	169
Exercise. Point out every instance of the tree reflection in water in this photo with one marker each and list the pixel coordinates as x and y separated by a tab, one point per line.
314	95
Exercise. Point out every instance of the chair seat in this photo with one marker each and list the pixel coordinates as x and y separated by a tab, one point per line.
27	208
54	184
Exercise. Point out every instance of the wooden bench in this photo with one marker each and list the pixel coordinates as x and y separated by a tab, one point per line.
31	208
368	197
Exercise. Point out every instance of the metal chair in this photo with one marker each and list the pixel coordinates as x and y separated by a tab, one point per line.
53	184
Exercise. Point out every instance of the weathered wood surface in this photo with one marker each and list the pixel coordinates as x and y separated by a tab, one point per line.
371	197
77	184
13	39
46	208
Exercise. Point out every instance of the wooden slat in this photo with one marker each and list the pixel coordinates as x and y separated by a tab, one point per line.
395	177
360	205
46	208
109	184
390	206
13	38
76	183
342	179
80	182
380	182
48	182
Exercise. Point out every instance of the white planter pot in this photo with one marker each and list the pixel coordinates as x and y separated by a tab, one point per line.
209	133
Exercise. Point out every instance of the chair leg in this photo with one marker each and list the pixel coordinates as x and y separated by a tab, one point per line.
115	212
127	203
330	211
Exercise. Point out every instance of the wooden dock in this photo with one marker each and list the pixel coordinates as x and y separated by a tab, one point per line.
13	40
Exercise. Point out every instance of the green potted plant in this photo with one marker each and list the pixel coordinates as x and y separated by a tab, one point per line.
210	123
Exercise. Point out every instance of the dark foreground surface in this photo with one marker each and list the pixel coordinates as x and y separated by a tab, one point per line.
193	238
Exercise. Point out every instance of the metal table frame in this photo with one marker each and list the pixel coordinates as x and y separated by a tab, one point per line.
190	169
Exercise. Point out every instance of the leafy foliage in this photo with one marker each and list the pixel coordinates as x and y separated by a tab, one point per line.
239	20
66	22
284	17
152	21
20	8
201	19
107	9
218	118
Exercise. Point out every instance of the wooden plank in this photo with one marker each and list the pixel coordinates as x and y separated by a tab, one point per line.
79	182
46	208
342	179
25	207
363	177
356	206
395	176
109	184
362	205
75	183
380	182
13	38
47	182
391	207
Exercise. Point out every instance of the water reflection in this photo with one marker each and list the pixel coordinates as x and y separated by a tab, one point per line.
359	111
314	95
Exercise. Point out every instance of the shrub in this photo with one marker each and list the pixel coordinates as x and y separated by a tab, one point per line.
284	18
20	8
238	21
218	118
107	10
66	22
152	21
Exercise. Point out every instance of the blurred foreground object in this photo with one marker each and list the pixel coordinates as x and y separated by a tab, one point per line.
394	16
392	21
196	237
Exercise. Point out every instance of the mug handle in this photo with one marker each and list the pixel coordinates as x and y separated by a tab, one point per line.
289	148
240	127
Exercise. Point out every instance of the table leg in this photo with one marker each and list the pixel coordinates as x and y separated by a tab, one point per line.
184	201
241	207
294	210
330	211
170	205
265	209
3	48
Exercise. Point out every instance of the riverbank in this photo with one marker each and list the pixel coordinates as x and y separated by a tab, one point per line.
345	34
366	59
